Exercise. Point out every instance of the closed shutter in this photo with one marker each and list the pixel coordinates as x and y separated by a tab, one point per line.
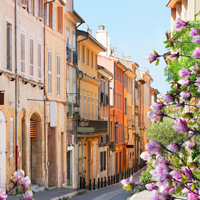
9	46
24	3
47	16
22	53
58	75
33	128
39	61
41	9
93	108
31	57
80	105
53	17
104	160
88	107
11	137
97	109
84	112
101	161
29	6
49	72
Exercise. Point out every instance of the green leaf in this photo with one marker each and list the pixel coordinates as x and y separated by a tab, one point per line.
170	183
19	186
185	116
167	46
167	41
191	165
178	190
184	177
157	62
11	181
155	52
128	187
192	187
196	173
182	108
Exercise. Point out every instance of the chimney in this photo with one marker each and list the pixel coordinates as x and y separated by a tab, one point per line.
102	27
90	32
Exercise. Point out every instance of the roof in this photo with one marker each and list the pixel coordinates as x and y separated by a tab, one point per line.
101	68
87	35
172	3
78	17
63	2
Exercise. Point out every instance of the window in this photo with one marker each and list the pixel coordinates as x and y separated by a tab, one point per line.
74	42
88	57
22	52
60	19
31	57
9	46
96	108
47	15
95	62
53	17
88	107
93	108
49	72
11	137
40	9
24	3
83	59
31	7
125	104
84	112
58	75
92	64
39	61
103	161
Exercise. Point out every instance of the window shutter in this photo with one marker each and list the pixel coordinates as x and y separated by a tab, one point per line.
80	105
24	3
88	107
84	113
93	108
31	57
9	46
104	160
29	6
58	75
40	9
50	72
101	161
47	6
22	53
39	61
96	108
11	137
33	128
53	17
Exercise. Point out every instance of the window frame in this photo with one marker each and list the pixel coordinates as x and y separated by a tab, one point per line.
58	76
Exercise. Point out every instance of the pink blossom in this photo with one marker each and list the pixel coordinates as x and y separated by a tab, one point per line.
194	68
176	175
179	24
189	145
150	186
18	177
196	53
173	147
184	82
3	194
187	172
156	195
198	104
151	57
184	95
192	196
157	105
168	98
152	116
196	39
197	83
179	105
194	32
174	56
28	195
191	132
166	190
26	182
125	182
152	146
162	169
180	125
185	191
184	73
146	156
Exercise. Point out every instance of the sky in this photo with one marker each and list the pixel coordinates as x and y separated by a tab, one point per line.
136	28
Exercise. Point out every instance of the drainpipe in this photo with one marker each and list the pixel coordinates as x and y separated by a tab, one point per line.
16	91
45	99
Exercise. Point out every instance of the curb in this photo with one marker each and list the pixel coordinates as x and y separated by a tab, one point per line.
70	195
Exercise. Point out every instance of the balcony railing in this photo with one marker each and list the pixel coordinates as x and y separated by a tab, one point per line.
99	126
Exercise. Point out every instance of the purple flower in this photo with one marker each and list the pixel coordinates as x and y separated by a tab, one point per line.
176	175
194	32
180	125
184	82
194	68
150	186
166	190
151	57
125	182
174	56
3	194
26	183
192	196
198	104
179	105
187	172
18	177
152	146
189	145
157	105
173	147
184	73
155	195
168	98
155	114
179	24
152	116
191	132
162	169
184	95
196	53
146	156
28	195
196	39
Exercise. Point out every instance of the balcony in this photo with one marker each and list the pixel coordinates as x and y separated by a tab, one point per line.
95	128
69	54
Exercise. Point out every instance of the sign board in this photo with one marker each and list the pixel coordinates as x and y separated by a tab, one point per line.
129	146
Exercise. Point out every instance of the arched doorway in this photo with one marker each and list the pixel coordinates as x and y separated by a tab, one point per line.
36	149
2	150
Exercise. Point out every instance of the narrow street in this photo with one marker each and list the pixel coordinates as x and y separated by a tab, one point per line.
115	192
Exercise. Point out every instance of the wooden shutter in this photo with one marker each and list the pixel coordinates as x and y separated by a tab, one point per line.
84	112
53	17
24	3
9	46
33	128
88	107
39	61
50	72
11	137
101	161
47	16
40	9
29	6
93	108
96	108
58	75
31	57
104	160
22	53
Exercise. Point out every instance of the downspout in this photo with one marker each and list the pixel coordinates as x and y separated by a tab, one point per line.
16	91
45	131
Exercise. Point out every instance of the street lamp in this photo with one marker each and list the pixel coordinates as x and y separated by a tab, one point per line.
116	124
76	109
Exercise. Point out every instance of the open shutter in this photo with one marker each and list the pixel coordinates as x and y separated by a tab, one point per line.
24	3
58	75
29	6
88	107
47	6
40	9
22	53
53	17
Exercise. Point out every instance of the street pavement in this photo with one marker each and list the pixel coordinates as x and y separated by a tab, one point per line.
114	192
